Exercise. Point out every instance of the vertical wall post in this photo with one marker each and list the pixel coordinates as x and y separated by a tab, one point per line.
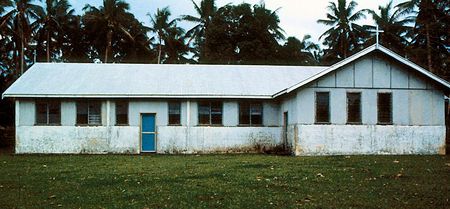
16	123
108	113
188	122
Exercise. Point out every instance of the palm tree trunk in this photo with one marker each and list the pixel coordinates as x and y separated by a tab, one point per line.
22	57
108	45
430	66
159	51
344	50
48	46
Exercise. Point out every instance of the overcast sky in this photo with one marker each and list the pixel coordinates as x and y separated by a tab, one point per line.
298	17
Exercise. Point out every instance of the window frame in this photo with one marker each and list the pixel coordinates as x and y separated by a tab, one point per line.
47	112
250	105
390	122
127	113
210	113
316	108
88	103
359	122
169	114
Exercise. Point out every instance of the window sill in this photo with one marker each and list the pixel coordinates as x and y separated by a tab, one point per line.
246	125
55	124
322	123
210	125
385	124
88	125
174	125
122	125
354	123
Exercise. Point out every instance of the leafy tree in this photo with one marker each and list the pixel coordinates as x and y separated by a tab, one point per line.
244	34
107	23
205	12
344	36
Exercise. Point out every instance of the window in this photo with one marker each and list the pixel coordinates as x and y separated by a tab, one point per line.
174	113
48	113
121	113
250	113
384	108
354	108
89	113
210	113
322	107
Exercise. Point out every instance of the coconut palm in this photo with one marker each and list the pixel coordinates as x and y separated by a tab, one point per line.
57	13
205	12
345	35
110	19
18	21
300	52
268	20
4	4
394	24
430	38
161	26
175	47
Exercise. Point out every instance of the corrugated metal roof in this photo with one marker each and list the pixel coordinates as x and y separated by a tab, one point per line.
74	80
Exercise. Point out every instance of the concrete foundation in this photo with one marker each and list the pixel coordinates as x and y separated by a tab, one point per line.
126	139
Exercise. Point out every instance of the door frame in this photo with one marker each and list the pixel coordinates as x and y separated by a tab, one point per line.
140	132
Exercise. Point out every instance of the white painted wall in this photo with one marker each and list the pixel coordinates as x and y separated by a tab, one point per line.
215	139
73	139
369	139
109	138
418	112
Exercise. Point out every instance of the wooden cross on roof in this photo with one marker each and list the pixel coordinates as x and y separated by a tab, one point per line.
377	31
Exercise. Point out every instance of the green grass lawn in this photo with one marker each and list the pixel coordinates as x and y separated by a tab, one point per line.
223	181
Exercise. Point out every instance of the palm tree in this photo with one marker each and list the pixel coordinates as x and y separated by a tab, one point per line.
345	35
394	26
268	20
57	13
175	46
430	29
301	52
18	21
111	17
205	11
4	4
161	25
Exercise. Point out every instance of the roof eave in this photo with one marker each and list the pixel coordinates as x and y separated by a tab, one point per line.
136	96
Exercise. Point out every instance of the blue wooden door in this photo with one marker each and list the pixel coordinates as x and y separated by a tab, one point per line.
148	133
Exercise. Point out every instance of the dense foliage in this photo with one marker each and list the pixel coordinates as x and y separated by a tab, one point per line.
50	31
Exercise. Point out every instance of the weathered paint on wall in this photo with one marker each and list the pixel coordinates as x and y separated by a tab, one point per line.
108	138
418	120
369	139
75	139
215	139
